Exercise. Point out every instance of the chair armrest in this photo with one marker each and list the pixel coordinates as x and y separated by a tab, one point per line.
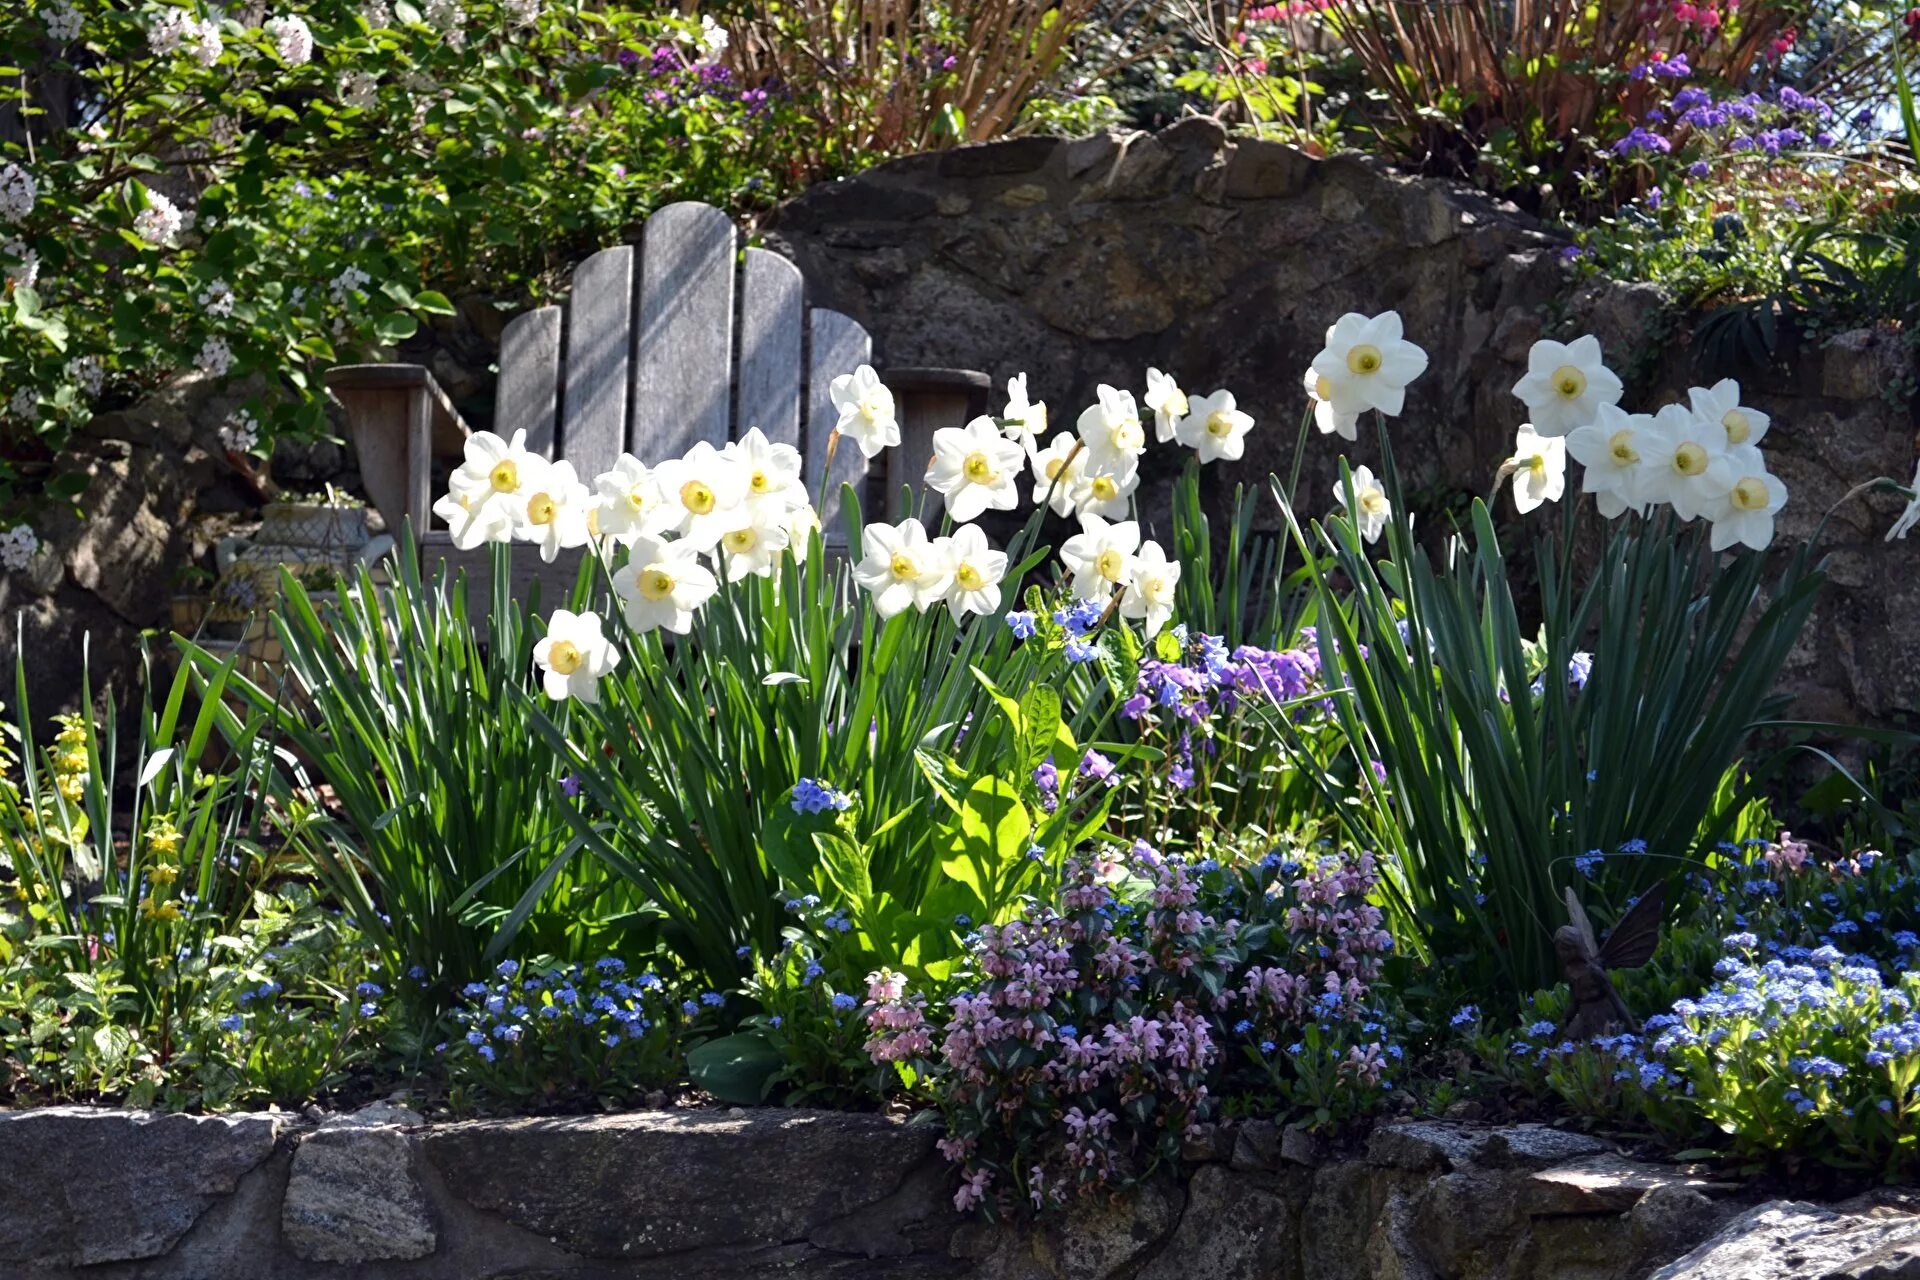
399	419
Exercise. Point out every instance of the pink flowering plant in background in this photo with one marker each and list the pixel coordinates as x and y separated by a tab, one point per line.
1105	1026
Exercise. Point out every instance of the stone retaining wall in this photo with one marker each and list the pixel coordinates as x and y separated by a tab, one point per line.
740	1195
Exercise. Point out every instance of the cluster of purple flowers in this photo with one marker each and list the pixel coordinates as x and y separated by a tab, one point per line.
810	795
1209	680
1747	123
679	79
1108	1012
1674	68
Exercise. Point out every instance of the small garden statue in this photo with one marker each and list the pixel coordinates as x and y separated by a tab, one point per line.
1597	1007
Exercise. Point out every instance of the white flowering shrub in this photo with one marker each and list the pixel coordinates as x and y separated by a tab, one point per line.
267	193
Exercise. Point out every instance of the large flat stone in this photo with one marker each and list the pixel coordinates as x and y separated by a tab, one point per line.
1792	1240
80	1186
637	1186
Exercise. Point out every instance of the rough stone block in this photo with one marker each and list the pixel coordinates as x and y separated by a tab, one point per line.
1792	1240
635	1186
352	1195
80	1186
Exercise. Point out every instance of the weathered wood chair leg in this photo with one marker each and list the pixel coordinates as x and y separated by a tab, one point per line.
926	400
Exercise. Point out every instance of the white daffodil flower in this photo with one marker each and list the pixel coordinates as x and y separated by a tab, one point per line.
1150	594
555	516
1565	384
573	655
488	492
704	491
1104	491
901	567
471	521
754	545
1367	364
1910	517
977	570
1539	468
1330	420
976	469
1216	428
772	470
802	523
867	415
1111	428
1026	419
1371	508
629	502
662	584
1608	452
1100	556
1056	473
1168	402
1675	453
1748	498
1721	403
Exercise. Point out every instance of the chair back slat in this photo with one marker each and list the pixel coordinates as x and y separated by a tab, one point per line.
599	345
839	346
772	320
529	394
684	332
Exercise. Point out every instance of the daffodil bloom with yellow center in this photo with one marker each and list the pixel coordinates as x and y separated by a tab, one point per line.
662	584
628	501
900	566
1056	472
1168	402
705	492
1371	510
1110	428
1100	556
1745	499
554	516
772	470
754	546
1675	454
573	656
1539	468
1216	429
1367	363
868	416
1150	595
1608	451
488	493
1330	420
1565	385
1721	403
977	569
976	468
1103	491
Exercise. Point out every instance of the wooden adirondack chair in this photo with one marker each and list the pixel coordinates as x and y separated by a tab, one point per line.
679	339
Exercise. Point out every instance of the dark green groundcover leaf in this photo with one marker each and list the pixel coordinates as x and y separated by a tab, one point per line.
736	1068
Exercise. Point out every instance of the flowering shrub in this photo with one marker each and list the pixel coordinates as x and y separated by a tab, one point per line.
1104	1030
1809	1054
547	1034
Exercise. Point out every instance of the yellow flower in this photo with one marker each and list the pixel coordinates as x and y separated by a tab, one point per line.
163	913
163	838
163	874
72	786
